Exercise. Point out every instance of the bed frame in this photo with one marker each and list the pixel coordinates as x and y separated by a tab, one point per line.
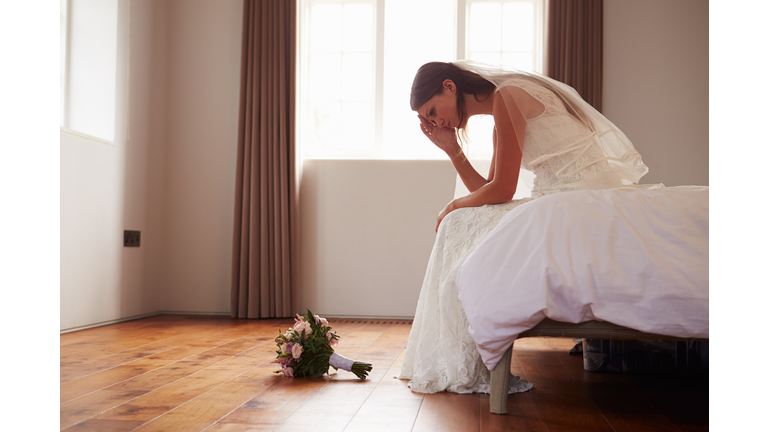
548	328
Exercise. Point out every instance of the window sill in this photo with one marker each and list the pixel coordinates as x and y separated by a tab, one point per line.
86	136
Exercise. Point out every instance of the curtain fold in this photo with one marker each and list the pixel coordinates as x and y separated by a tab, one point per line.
264	247
575	47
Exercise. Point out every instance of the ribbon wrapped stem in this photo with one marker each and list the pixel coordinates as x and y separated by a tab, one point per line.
360	369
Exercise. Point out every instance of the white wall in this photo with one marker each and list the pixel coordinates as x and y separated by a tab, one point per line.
656	84
203	81
367	229
171	176
108	188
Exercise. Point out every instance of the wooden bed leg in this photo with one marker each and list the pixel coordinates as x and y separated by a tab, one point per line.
500	383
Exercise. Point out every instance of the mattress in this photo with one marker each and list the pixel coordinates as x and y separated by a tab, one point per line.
634	258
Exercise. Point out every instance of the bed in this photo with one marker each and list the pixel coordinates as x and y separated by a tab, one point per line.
604	264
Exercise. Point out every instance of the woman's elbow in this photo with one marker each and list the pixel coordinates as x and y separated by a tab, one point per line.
505	192
508	195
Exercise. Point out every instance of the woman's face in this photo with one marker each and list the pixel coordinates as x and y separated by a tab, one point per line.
441	110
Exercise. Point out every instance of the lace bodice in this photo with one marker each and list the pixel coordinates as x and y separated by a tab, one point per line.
559	149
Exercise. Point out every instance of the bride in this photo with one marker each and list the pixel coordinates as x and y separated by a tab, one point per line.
541	125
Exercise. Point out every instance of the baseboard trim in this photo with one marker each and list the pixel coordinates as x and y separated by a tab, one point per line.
194	313
105	323
369	317
148	315
138	317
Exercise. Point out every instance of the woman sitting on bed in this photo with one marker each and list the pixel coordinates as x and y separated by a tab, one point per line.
540	124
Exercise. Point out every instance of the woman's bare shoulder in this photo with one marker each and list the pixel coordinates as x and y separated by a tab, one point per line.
527	104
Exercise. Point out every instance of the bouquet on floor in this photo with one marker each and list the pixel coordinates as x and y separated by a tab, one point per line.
306	350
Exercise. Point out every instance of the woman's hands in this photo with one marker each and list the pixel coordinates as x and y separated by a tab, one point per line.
444	138
444	212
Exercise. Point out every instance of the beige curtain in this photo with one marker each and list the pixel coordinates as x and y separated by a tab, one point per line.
264	248
575	47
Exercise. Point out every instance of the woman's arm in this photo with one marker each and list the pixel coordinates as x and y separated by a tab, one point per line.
492	169
469	176
445	139
510	121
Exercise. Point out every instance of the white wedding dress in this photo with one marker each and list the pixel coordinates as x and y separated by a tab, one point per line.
564	155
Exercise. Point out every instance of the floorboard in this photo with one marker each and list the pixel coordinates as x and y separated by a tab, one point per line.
187	373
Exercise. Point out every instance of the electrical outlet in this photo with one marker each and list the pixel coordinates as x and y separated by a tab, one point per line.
131	238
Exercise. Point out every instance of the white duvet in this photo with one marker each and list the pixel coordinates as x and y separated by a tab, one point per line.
635	258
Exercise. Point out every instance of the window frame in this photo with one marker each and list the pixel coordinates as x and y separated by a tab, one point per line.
64	15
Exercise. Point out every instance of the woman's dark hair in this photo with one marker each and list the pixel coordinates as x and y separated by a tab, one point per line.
428	82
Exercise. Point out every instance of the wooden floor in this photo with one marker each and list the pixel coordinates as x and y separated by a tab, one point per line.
184	373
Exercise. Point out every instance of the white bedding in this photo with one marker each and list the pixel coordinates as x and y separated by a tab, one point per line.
635	258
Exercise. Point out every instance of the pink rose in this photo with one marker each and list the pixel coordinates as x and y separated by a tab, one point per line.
334	342
299	320
296	351
288	371
303	325
321	320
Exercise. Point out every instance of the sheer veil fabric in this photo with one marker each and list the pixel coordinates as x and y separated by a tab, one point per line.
570	146
626	164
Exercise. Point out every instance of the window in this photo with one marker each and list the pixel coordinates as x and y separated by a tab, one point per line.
88	67
505	32
342	77
358	59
